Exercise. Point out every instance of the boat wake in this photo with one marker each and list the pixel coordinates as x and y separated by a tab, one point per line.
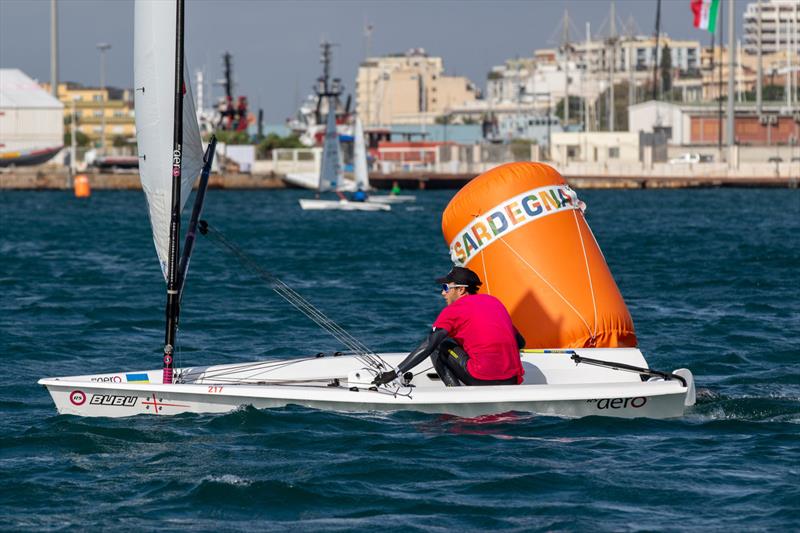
775	408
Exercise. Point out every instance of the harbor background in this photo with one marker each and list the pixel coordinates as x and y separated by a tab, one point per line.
709	276
604	100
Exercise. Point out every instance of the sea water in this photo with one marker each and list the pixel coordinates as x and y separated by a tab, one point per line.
710	276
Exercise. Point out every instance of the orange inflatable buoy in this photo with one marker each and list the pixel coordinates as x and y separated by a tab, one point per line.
521	228
81	186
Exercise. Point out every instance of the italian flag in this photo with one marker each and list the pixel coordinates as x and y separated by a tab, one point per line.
705	14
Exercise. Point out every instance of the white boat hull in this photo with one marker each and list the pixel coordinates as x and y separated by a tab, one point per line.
304	180
554	385
341	205
392	198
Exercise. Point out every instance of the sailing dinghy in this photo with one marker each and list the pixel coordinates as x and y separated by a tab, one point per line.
595	371
331	176
361	172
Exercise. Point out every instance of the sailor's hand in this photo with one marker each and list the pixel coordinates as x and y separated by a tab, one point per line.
384	378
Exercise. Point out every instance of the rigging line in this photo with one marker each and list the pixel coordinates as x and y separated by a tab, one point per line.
354	343
588	273
485	275
258	367
241	367
483	262
325	323
232	381
307	309
589	329
277	365
303	305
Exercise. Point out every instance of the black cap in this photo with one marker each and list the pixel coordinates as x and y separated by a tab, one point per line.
461	276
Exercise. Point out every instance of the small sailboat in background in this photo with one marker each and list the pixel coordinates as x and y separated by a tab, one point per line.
331	176
361	173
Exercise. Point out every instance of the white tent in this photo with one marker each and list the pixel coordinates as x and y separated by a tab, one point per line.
30	118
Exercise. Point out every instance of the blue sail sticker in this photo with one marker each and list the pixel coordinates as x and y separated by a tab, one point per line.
137	378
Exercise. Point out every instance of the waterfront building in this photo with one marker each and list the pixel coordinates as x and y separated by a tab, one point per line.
409	88
31	119
774	69
699	124
595	147
780	26
91	103
586	69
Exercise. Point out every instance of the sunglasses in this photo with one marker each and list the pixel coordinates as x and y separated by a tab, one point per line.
446	287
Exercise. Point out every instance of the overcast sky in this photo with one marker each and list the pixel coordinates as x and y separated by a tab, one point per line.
275	44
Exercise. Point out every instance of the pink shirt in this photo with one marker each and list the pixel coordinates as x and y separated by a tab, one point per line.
482	326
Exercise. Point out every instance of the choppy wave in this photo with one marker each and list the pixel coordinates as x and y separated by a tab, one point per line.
709	276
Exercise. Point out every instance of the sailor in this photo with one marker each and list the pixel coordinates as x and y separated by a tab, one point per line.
395	188
359	196
473	340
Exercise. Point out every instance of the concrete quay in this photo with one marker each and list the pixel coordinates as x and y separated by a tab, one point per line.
593	176
57	179
581	176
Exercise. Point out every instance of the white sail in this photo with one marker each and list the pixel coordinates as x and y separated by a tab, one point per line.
360	157
154	82
331	173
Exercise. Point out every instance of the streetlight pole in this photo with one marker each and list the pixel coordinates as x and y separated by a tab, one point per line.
54	49
103	47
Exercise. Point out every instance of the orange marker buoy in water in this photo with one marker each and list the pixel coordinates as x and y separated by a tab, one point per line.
521	228
81	186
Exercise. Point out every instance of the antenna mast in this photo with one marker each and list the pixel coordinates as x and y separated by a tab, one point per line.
565	46
655	54
613	42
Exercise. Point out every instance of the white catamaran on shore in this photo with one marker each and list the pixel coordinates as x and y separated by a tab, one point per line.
564	382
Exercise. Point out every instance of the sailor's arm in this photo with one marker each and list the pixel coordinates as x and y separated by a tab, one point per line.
419	354
520	339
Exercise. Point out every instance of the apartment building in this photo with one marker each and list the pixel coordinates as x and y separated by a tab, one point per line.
773	65
780	26
409	88
91	104
585	69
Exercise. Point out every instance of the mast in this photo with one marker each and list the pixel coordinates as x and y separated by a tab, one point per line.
721	46
565	44
759	74
655	54
731	73
613	42
173	282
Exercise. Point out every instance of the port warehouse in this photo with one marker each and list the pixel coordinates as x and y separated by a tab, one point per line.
30	118
701	124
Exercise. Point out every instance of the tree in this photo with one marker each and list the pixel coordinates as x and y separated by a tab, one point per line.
232	137
81	139
773	93
273	141
575	108
620	108
666	69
